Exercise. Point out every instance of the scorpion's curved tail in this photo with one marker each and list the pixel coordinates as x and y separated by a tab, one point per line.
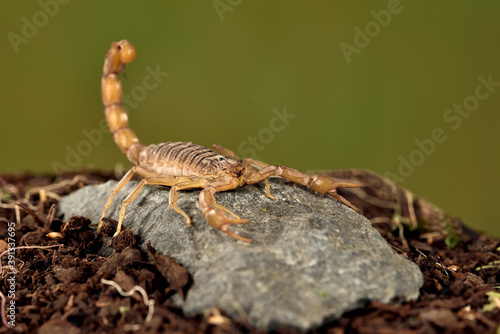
125	138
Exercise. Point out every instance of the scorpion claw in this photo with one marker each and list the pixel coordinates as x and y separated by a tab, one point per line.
343	200
327	185
220	220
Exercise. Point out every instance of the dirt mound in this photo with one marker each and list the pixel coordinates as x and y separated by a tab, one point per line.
61	285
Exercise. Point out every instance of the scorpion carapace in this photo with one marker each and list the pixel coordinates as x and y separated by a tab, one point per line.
181	165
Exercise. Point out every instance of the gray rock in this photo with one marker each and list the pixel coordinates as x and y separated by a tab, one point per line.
312	258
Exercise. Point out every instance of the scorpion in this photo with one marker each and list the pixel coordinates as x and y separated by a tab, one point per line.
184	165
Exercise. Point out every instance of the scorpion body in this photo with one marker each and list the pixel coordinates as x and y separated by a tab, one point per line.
184	159
184	165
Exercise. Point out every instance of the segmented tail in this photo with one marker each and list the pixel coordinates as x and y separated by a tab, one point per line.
125	138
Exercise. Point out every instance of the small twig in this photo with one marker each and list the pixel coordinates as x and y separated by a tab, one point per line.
49	189
411	209
32	214
429	236
43	195
51	215
381	220
18	214
420	252
136	288
401	231
489	265
372	200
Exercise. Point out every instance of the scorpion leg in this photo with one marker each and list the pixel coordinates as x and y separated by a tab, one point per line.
258	163
321	184
119	186
156	180
248	164
214	213
228	153
225	151
174	195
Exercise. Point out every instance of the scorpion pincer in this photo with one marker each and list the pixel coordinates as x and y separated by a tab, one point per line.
182	165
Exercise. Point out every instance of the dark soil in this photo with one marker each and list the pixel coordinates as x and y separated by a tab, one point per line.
65	288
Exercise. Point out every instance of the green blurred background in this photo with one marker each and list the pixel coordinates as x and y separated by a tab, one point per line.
231	62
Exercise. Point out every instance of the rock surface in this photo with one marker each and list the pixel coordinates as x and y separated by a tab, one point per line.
312	258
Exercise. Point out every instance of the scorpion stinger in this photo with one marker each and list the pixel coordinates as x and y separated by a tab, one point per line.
182	165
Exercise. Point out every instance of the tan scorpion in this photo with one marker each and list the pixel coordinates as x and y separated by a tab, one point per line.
182	165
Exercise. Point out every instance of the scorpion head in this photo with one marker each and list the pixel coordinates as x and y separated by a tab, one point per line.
221	164
230	166
235	168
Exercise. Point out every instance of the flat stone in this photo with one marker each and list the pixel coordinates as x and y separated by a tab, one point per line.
312	259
